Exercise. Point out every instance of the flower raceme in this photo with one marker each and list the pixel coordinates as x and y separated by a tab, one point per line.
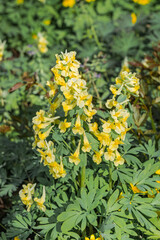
26	195
69	96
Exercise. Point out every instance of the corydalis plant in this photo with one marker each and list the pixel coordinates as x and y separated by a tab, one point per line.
72	116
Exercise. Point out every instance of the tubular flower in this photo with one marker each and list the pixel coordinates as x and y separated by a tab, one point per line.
26	195
2	46
97	157
135	189
86	145
64	125
40	201
74	158
78	128
57	170
53	88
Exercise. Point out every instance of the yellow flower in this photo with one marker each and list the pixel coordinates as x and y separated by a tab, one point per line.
90	0
16	238
142	2
104	138
86	147
67	106
40	201
68	3
93	127
44	135
64	125
135	189
119	159
34	36
92	237
26	195
157	172
97	157
109	155
74	158
134	18
47	22
53	88
57	170
2	45
78	128
19	1
42	43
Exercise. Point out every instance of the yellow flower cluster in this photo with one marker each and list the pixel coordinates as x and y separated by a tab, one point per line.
2	45
71	3
142	2
126	84
42	128
92	237
42	43
26	195
69	90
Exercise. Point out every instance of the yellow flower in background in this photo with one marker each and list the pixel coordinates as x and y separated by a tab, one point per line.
92	237
142	2
16	238
40	201
134	18
34	36
2	45
90	0
19	1
42	1
42	43
68	3
158	172
47	22
135	189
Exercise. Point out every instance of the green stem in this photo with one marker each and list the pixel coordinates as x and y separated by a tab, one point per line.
3	227
110	175
92	26
75	183
152	121
83	170
67	145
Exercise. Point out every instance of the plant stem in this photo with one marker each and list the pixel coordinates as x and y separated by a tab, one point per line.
3	227
152	121
110	175
83	170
